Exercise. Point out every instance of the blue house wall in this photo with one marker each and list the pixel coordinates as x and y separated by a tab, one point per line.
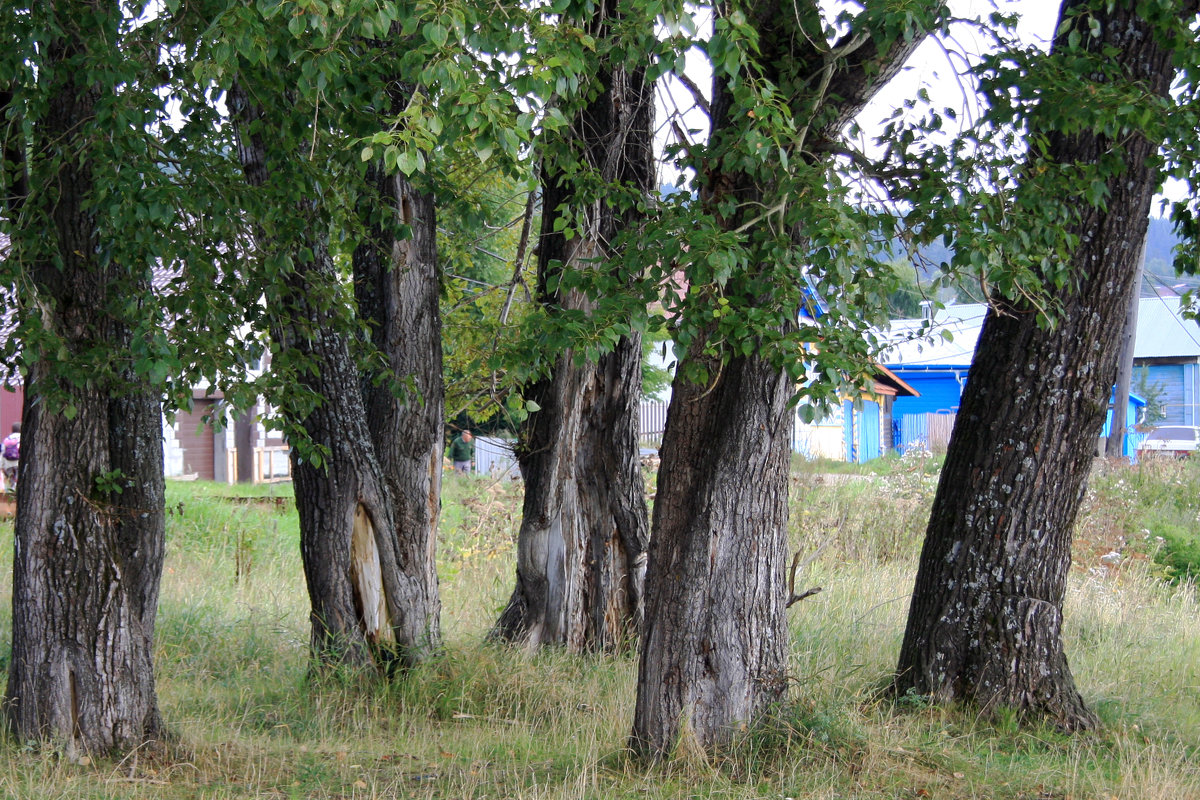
1133	415
940	388
860	431
941	391
1178	392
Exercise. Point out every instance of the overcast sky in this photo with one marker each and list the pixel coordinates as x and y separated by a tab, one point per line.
930	66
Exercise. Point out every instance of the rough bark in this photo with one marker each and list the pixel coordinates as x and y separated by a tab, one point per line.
86	574
397	289
347	528
715	640
354	564
985	624
87	561
581	547
714	647
584	528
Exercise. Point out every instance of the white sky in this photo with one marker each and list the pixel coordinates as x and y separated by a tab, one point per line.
930	66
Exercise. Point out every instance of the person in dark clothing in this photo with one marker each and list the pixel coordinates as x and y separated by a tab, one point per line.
462	452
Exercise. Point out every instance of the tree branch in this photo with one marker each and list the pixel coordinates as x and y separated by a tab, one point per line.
860	70
14	182
694	89
799	565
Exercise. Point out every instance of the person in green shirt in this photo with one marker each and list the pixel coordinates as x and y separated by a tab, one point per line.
462	451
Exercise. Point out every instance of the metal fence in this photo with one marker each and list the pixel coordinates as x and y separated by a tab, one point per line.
494	456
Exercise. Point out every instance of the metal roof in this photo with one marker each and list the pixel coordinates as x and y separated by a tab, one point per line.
1162	332
948	339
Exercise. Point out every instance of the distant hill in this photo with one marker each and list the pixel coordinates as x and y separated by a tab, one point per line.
1159	260
1160	272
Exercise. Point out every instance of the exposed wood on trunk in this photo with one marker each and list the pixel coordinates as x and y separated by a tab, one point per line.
985	625
584	529
367	574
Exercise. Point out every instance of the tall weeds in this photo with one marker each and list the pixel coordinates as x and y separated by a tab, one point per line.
486	721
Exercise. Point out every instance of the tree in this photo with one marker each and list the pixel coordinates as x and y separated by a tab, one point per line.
78	166
396	280
367	468
772	207
985	622
339	149
347	523
581	546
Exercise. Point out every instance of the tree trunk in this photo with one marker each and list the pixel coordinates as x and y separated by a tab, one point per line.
584	529
86	573
715	641
90	510
354	563
397	288
985	625
243	441
581	547
347	527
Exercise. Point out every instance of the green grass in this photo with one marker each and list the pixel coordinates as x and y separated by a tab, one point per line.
486	721
1158	502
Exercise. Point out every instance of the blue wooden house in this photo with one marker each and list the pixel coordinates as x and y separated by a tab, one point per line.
858	430
936	364
1166	360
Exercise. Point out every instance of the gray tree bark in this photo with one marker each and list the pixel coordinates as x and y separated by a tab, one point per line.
87	558
985	624
584	528
361	579
715	640
713	652
396	284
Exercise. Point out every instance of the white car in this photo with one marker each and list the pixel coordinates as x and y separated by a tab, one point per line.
1173	440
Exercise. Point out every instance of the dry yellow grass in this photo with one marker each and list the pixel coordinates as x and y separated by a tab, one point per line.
493	722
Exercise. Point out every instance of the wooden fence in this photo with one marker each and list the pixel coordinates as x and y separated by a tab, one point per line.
270	464
928	431
652	421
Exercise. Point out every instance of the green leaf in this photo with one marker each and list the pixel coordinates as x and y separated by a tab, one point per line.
409	162
435	33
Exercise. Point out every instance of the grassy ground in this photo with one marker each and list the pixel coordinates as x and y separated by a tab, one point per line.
491	722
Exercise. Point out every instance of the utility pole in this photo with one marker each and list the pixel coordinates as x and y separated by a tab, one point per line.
1114	448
